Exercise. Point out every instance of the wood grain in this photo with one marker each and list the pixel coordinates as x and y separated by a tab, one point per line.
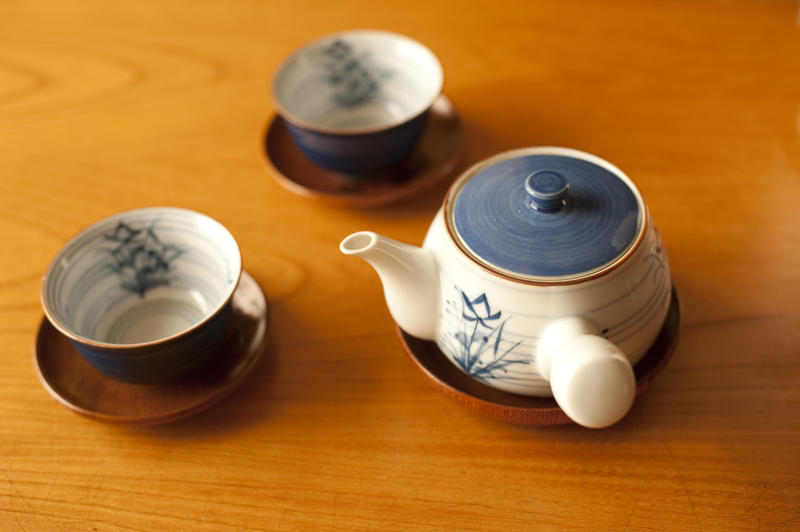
110	106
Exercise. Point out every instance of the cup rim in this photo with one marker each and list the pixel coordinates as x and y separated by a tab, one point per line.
305	124
65	329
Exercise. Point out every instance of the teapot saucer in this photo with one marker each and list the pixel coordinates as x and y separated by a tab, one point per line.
75	384
434	159
520	409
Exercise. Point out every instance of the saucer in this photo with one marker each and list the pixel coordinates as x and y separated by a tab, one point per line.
522	409
78	386
434	159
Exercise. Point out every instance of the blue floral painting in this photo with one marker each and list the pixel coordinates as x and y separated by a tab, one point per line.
140	259
354	79
483	353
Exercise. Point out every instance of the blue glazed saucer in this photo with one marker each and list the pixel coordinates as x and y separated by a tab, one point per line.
435	159
76	384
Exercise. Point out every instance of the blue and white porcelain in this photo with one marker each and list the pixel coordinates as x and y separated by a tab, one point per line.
542	274
357	101
145	295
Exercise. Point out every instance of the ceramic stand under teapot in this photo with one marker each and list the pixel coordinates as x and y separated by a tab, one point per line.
542	274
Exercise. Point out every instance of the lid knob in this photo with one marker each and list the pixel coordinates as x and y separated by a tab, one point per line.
547	190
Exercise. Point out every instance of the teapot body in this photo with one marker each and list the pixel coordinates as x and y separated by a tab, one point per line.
491	326
542	274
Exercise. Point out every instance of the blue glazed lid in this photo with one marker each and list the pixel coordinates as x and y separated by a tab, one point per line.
545	214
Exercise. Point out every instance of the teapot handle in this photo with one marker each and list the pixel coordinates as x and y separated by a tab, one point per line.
591	378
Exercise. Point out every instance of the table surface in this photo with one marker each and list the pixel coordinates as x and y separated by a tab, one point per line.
106	107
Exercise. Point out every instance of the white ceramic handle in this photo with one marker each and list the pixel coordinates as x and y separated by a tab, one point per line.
591	379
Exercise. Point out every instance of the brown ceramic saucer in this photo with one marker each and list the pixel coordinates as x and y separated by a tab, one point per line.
80	387
520	409
434	159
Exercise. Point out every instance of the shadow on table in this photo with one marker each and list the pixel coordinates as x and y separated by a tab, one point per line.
728	380
243	408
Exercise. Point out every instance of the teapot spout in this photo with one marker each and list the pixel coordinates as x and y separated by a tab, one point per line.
410	279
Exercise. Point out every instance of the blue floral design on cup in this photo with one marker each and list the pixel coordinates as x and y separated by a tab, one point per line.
354	78
140	258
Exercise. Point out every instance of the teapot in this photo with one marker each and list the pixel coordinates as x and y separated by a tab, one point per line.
542	274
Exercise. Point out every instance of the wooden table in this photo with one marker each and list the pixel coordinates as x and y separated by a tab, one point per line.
106	107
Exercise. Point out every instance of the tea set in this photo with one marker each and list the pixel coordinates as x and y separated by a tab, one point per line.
541	293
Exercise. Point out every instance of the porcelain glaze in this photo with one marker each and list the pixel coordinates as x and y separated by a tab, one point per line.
582	223
144	295
357	101
573	335
627	306
434	159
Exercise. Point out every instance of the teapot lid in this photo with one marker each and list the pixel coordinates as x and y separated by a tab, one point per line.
549	215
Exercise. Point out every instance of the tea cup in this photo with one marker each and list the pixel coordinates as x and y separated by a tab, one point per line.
144	295
357	101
